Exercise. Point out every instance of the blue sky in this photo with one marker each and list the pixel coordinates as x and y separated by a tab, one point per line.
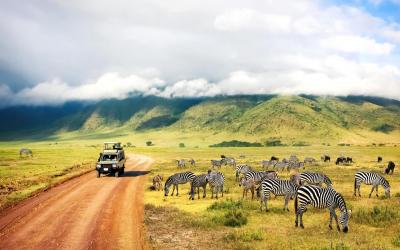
55	51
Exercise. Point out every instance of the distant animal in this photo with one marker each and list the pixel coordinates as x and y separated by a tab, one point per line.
248	185
242	169
181	163
157	182
326	158
349	160
370	178
217	163
322	198
242	156
390	168
309	160
315	179
379	159
258	176
192	162
25	151
223	156
273	158
341	160
293	158
175	180
230	161
216	181
296	165
266	164
200	181
281	165
287	188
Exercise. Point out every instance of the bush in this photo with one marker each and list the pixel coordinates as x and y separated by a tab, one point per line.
181	145
300	144
228	204
149	143
235	218
129	144
236	143
384	128
396	240
273	143
378	216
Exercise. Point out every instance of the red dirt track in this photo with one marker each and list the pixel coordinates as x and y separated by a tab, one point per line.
83	213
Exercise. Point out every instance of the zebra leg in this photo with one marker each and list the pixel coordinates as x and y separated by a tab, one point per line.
372	190
376	189
222	191
177	190
330	219
198	193
336	219
252	193
287	196
359	192
301	219
204	191
173	190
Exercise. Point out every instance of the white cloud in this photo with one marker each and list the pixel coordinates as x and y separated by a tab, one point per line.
192	48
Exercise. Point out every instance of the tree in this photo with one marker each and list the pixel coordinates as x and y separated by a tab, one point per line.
149	143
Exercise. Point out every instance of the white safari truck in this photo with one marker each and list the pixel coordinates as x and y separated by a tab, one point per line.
111	160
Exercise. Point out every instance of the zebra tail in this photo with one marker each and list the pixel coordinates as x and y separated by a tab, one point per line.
295	204
355	184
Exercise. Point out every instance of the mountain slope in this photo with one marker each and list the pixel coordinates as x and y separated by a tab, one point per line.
290	118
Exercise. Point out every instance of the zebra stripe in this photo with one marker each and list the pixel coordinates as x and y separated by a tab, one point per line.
198	182
216	181
258	176
287	188
370	178
242	169
322	198
179	178
315	179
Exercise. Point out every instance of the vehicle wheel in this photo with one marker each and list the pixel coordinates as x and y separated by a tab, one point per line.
117	174
98	174
123	170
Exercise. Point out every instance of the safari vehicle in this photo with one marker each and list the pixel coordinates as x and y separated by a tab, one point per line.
111	160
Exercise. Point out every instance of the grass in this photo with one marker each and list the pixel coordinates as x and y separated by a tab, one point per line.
195	220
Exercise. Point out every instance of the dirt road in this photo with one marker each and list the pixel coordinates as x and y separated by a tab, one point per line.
83	213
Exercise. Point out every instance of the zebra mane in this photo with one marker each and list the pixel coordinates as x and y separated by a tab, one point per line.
341	202
385	182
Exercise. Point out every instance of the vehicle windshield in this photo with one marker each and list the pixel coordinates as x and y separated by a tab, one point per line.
109	157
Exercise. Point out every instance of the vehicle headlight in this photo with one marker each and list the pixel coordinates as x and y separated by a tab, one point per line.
98	166
114	165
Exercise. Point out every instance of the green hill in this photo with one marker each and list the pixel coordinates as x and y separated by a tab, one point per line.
287	118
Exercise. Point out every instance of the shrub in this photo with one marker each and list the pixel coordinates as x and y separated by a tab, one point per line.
396	240
149	143
378	216
128	144
236	143
384	128
235	218
300	144
245	236
227	204
273	143
181	145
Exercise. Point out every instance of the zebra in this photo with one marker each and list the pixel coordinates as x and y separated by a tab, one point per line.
370	178
297	165
322	198
315	179
181	163
216	181
25	151
179	178
192	162
230	161
242	169
157	182
293	158
309	160
200	181
287	188
282	165
266	164
248	185
258	176
217	163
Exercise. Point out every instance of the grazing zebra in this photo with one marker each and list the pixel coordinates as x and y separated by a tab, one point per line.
157	182
230	161
293	158
287	188
192	162
309	160
179	178
258	176
322	198
242	169
315	179
282	165
181	163
248	185
217	163
266	164
200	181
25	151
370	178
296	165
216	181
390	168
